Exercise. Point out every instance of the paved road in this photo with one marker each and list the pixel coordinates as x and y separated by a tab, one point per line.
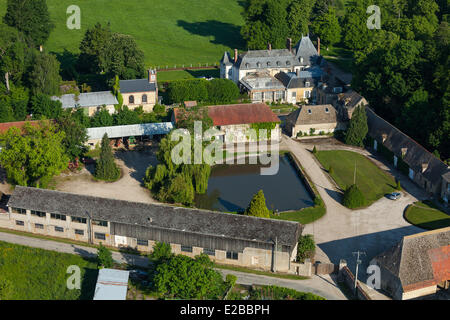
343	231
324	287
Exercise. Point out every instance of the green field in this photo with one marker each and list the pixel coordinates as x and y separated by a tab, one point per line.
169	32
372	181
36	274
187	74
426	215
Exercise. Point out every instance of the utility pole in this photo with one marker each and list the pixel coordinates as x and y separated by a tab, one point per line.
89	227
358	262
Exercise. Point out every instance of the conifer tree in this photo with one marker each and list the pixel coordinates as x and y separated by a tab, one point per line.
358	127
106	169
257	206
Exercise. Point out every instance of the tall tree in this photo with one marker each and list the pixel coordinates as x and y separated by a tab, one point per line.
12	55
75	135
44	77
92	48
354	28
299	15
30	17
42	107
358	128
326	26
34	156
258	207
106	168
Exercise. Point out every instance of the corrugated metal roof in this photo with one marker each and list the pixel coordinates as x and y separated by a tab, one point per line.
87	99
143	129
111	284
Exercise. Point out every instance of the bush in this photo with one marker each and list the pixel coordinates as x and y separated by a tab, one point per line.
231	279
104	257
306	248
257	206
299	134
159	108
311	131
353	197
222	91
314	151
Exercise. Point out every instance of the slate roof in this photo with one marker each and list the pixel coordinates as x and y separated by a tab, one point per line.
305	49
415	155
226	59
136	85
261	80
290	80
160	216
351	99
87	99
313	114
263	59
419	260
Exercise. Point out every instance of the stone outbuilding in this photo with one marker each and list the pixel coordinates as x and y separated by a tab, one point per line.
417	265
140	92
90	102
316	118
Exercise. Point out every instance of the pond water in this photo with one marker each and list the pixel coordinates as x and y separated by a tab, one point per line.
231	188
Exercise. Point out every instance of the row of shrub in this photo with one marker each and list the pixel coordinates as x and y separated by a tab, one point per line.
214	91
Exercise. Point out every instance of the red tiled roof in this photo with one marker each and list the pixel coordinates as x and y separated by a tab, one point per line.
18	124
223	115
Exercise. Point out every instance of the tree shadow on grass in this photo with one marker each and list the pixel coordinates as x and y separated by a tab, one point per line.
225	34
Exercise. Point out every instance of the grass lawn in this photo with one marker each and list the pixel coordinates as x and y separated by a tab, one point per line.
426	215
260	272
186	74
303	216
36	274
169	32
372	181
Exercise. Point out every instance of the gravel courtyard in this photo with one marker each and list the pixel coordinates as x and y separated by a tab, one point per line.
129	187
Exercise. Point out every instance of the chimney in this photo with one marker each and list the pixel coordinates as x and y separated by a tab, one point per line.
235	55
269	46
289	44
318	45
151	76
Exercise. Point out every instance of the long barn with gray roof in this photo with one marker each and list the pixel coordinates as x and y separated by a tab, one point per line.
226	238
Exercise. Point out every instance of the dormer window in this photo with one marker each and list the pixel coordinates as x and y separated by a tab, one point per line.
278	63
307	84
327	110
258	64
268	63
247	65
288	63
309	111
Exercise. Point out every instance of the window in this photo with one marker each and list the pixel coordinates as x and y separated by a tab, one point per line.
141	242
307	84
232	255
38	213
131	99
20	223
186	248
309	111
144	98
99	236
57	216
288	63
258	64
327	110
59	229
78	220
279	95
39	226
294	94
19	210
307	94
209	252
100	223
80	232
